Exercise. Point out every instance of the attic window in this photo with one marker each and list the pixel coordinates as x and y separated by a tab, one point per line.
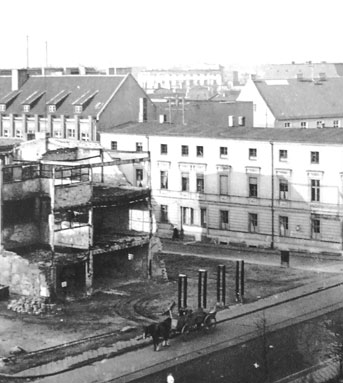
26	108
2	107
52	108
78	109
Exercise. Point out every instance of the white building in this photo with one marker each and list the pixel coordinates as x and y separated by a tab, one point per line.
260	187
296	103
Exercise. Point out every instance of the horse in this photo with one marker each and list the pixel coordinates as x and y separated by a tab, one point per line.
158	331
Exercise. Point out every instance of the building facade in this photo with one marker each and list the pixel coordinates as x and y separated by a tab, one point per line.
277	188
73	107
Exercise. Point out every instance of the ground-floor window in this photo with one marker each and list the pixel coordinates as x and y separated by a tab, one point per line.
253	222
164	213
203	217
283	225
224	219
187	215
315	227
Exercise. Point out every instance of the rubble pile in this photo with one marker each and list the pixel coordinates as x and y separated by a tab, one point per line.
32	305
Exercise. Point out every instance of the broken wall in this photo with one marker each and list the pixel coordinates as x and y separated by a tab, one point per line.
72	195
21	276
78	237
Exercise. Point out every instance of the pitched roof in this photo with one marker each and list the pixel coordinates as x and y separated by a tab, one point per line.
5	85
74	87
295	135
296	99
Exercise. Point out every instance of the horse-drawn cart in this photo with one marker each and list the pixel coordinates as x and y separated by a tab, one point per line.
188	320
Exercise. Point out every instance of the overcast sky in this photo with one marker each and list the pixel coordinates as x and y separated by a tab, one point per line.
159	33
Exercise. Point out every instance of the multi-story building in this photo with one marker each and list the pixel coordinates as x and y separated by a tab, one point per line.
277	188
296	103
70	218
73	107
181	78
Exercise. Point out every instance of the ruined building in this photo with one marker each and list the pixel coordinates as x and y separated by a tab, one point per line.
71	219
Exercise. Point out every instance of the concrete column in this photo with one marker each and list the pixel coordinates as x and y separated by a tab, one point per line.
63	126
89	273
11	132
49	125
77	127
24	128
37	127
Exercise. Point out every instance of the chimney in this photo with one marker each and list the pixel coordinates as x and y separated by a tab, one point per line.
19	76
322	76
300	76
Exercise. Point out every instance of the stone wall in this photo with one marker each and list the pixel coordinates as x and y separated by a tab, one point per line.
21	276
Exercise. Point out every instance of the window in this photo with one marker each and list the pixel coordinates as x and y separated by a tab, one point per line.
336	123
200	183
185	182
224	219
287	125
320	124
6	133
2	107
315	190
223	152
223	184
164	179
71	133
253	223
57	133
241	121
139	177
31	136
84	137
18	133
315	226
203	217
187	215
303	124
283	189
254	107
26	108
200	151
252	154
314	157
283	226
253	187
52	108
164	213
78	108
164	149
114	145
139	147
283	155
230	121
184	150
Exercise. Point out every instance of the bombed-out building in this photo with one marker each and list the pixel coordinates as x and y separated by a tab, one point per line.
71	219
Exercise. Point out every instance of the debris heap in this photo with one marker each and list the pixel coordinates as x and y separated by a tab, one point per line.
32	305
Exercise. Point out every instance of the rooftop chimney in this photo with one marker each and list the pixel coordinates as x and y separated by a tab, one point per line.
19	76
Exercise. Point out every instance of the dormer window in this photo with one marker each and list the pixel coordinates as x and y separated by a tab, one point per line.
2	107
52	108
26	108
78	108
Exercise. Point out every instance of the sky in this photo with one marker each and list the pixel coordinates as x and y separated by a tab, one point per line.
159	33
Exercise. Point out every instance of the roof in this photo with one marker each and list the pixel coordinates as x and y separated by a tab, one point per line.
118	196
299	99
74	88
309	69
315	136
5	85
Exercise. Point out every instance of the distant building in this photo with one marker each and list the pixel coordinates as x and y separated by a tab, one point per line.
181	78
72	107
296	103
309	70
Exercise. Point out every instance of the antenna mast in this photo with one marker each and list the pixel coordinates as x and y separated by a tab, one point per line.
27	51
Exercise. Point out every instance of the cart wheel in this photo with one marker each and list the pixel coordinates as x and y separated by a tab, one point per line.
185	329
210	322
